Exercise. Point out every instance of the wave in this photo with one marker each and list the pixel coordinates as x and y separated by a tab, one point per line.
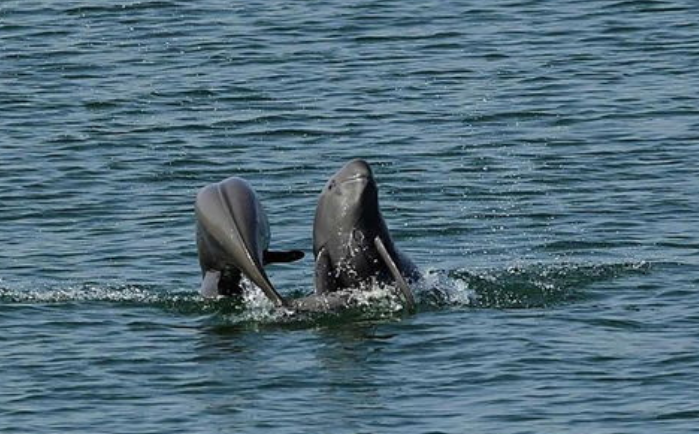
539	285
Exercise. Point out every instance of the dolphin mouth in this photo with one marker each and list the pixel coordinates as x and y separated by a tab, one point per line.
356	178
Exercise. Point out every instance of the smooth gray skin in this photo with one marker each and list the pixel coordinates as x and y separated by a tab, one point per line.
351	242
233	239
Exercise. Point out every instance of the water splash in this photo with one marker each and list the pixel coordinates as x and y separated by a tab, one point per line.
519	286
439	289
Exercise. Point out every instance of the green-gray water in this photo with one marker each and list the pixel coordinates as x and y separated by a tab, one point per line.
538	160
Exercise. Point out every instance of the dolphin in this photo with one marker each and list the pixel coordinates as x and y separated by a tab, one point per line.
233	240
351	242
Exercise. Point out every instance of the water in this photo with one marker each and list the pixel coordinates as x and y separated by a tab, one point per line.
539	162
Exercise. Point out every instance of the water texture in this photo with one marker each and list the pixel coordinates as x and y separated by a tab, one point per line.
538	160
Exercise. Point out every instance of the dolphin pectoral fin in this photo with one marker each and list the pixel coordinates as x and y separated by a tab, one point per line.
324	280
270	256
209	285
395	272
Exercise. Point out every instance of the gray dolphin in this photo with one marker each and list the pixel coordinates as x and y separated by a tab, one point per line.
351	242
233	240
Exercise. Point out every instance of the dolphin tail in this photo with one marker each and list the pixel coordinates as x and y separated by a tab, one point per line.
395	272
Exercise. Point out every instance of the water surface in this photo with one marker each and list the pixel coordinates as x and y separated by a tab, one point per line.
537	160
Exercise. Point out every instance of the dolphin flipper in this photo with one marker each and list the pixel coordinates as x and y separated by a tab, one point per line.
395	272
325	281
209	285
270	256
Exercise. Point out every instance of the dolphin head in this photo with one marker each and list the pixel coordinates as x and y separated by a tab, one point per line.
348	200
356	169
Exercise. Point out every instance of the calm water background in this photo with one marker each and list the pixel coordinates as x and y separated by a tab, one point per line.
538	160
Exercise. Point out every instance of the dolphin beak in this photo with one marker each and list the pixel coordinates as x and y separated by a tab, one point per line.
353	171
355	178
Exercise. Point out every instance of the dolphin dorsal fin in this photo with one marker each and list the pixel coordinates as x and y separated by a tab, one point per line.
395	272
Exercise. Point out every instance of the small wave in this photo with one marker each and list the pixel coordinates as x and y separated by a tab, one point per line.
538	285
126	295
439	289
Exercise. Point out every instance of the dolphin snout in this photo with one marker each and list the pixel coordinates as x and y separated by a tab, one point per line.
355	169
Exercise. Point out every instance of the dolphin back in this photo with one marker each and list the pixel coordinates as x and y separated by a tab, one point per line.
230	212
233	232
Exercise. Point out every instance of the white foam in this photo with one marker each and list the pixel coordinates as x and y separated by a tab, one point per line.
436	287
